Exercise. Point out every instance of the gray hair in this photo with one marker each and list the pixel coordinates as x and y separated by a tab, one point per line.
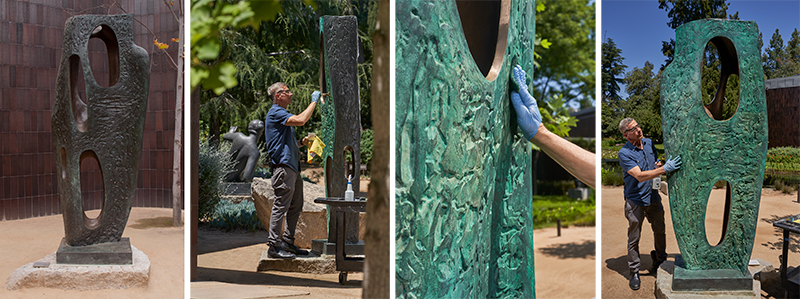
623	124
274	89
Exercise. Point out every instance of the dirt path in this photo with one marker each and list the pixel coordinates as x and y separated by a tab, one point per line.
150	229
565	266
233	257
613	260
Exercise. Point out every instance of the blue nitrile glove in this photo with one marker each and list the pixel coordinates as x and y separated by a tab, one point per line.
519	79
315	96
528	117
672	164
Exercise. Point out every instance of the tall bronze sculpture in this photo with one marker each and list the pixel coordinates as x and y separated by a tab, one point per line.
463	169
341	112
714	149
107	125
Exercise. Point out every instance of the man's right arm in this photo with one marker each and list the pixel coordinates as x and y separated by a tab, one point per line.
646	175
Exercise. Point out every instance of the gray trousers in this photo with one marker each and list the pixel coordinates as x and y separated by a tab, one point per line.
636	215
288	203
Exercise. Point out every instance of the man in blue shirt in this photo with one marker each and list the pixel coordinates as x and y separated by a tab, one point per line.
284	158
640	166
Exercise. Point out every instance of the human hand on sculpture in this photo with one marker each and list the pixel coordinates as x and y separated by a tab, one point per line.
672	164
315	96
528	117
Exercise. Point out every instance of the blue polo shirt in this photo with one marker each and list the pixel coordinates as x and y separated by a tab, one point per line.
281	142
630	156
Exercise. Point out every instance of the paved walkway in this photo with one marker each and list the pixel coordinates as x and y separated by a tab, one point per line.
150	229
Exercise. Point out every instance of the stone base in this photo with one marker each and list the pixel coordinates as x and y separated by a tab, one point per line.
304	264
664	283
111	253
234	189
323	247
709	280
82	277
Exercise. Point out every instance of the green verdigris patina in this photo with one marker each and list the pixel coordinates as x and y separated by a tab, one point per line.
733	150
463	175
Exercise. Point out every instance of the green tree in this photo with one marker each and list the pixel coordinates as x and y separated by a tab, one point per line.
644	100
566	67
780	61
612	70
681	12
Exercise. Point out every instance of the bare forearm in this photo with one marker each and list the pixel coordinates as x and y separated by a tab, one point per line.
576	160
649	174
303	117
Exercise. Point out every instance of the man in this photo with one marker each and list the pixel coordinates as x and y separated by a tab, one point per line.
284	157
640	166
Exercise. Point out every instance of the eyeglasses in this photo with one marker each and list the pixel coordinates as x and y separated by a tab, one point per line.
632	129
283	91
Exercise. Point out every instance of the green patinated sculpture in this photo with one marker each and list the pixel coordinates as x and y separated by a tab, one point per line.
733	150
341	112
463	175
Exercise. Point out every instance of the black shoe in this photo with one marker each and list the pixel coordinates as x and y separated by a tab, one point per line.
656	262
635	282
290	247
277	253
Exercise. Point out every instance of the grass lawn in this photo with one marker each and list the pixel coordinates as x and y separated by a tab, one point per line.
548	208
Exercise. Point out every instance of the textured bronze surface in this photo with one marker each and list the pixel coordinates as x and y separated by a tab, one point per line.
733	150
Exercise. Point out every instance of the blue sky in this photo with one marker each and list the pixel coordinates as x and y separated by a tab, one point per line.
638	27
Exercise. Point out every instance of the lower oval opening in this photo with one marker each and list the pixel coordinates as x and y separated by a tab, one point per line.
717	212
92	189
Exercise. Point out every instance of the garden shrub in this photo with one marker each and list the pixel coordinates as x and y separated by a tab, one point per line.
230	216
213	164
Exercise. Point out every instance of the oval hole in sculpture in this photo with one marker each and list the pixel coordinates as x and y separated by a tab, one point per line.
717	212
92	189
328	171
349	165
104	56
485	25
77	92
720	79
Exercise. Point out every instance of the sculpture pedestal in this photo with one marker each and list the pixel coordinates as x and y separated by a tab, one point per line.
111	253
82	277
665	281
709	280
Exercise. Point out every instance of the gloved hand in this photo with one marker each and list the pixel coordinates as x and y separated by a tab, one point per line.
315	96
672	164
528	117
519	79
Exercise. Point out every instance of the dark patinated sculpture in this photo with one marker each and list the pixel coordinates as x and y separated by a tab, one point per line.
463	170
713	148
107	125
244	152
341	112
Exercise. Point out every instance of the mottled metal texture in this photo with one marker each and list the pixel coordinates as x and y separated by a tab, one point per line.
107	125
463	175
733	150
341	113
244	152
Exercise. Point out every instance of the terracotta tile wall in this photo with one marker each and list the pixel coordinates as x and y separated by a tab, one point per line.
783	116
30	50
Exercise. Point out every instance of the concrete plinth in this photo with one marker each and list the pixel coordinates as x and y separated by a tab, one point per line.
709	280
111	253
82	277
664	283
304	264
323	247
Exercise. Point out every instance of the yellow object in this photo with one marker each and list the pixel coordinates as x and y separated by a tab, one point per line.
316	147
798	221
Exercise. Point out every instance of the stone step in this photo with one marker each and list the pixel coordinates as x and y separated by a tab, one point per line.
310	263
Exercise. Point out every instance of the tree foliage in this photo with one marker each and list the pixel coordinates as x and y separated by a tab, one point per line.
286	49
611	70
566	66
780	61
681	12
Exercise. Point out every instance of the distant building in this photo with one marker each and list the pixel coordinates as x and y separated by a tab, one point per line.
783	111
